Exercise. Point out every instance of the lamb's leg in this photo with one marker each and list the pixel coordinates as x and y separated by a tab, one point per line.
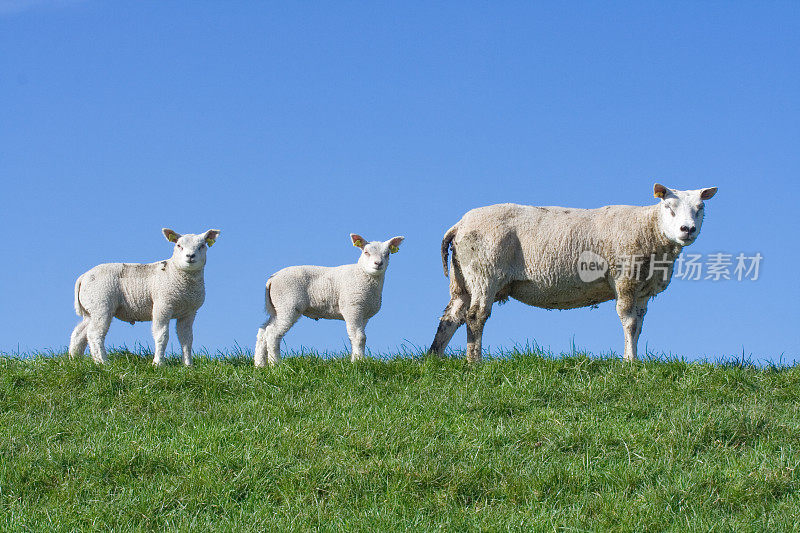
260	351
356	327
478	314
78	340
631	311
274	331
96	335
453	317
160	334
184	328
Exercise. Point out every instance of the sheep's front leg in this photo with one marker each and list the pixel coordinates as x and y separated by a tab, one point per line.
185	336
631	313
356	327
160	334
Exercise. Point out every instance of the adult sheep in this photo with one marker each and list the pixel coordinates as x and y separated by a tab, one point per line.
563	258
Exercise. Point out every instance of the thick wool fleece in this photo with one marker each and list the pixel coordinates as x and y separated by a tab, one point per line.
133	292
531	254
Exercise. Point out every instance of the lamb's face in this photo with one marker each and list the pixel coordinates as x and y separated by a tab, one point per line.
680	213
375	255
190	250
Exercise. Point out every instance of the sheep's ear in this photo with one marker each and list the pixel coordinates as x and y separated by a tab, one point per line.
171	235
394	244
211	236
358	240
659	191
705	194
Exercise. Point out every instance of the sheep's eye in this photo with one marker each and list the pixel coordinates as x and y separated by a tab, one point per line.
366	252
179	247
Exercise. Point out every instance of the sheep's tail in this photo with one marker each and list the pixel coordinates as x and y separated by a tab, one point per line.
268	306
79	309
446	241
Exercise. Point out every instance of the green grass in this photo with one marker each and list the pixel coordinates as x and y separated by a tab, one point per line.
521	443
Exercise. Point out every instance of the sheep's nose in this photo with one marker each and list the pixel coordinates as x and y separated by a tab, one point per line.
688	229
190	256
378	264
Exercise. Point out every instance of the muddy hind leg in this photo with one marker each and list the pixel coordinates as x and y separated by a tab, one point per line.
455	314
477	315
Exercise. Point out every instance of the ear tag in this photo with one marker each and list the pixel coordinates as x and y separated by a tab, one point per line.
210	242
659	194
357	243
172	238
393	249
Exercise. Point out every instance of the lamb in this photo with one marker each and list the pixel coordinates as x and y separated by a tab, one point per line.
349	292
559	258
142	292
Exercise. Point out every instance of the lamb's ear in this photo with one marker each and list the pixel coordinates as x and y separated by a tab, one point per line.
659	191
394	244
171	235
358	240
211	236
705	194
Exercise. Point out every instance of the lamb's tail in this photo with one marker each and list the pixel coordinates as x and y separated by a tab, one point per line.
268	306
446	241
79	309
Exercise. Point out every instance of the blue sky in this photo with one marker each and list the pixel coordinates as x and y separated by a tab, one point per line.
290	125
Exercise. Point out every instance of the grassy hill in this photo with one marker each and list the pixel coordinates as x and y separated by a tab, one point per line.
524	443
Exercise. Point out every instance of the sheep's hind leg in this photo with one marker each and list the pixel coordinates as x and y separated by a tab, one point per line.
78	340
453	317
273	333
478	314
96	335
260	351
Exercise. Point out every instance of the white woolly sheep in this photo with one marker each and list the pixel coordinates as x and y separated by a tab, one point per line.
559	258
349	292
135	292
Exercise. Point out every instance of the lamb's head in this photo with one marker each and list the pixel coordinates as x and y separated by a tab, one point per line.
680	213
190	250
375	255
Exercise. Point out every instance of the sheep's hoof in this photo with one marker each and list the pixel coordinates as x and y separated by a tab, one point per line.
473	355
158	362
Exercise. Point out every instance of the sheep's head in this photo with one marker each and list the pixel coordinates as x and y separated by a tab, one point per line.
375	255
680	213
190	250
